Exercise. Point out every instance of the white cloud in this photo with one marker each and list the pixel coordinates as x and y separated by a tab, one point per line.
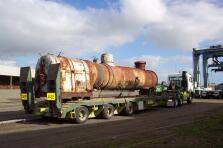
156	61
187	24
8	63
34	26
163	66
144	11
180	59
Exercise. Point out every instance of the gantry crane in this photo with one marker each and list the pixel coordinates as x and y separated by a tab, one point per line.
213	52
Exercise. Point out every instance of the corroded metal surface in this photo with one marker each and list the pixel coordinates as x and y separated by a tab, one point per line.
80	77
117	77
140	65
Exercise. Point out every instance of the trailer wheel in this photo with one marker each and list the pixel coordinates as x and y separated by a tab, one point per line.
175	103
129	109
107	112
27	108
81	114
179	102
189	99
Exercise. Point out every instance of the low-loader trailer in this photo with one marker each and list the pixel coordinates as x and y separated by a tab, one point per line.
54	102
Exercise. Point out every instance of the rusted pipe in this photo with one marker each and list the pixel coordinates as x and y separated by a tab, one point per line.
140	65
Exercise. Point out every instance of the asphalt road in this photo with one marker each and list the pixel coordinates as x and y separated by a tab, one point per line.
10	105
9	100
118	132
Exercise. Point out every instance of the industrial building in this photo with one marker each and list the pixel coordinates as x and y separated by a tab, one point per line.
9	77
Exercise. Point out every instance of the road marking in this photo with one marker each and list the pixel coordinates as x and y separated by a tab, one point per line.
18	120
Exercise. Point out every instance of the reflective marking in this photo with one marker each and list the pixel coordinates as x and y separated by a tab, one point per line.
24	96
51	96
18	120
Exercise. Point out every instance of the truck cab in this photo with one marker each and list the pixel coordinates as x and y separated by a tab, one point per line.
176	79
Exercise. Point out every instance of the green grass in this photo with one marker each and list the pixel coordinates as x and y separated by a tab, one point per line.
207	132
204	126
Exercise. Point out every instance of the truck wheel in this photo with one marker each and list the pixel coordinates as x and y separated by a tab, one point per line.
189	100
129	109
175	103
179	101
27	108
81	114
107	112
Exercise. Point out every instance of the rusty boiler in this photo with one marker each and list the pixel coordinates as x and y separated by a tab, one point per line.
79	78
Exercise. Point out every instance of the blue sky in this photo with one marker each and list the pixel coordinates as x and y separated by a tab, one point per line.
83	4
162	32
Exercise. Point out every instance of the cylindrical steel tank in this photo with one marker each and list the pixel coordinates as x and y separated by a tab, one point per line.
80	77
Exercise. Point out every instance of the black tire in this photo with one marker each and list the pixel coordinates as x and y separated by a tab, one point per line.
82	114
27	109
221	96
107	112
175	103
128	110
179	102
189	100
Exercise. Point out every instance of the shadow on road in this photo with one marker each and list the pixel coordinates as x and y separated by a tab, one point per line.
10	115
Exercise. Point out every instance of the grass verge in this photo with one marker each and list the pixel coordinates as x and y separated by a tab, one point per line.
203	133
